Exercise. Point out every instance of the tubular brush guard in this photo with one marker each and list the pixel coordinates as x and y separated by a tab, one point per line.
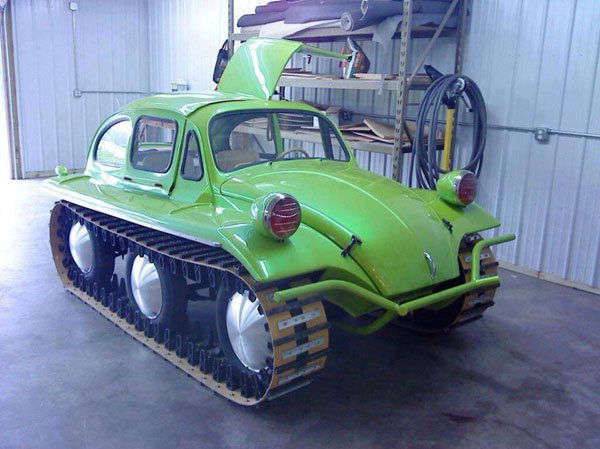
402	309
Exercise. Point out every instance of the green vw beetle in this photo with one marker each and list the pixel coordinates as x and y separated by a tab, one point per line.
227	231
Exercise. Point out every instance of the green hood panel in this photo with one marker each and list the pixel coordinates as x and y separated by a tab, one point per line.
257	65
396	225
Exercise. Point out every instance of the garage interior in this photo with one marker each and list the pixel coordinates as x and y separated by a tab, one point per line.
523	376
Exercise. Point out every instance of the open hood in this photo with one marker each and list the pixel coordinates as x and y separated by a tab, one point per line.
255	68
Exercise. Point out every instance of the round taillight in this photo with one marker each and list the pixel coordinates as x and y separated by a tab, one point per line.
465	187
281	217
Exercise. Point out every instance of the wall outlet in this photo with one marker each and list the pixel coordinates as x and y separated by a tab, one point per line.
180	86
542	135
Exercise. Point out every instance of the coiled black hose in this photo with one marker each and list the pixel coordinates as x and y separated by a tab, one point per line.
424	160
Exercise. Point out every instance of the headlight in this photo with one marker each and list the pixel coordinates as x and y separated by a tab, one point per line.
276	215
458	187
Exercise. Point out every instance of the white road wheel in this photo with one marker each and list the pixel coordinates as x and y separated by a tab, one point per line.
80	245
247	331
146	287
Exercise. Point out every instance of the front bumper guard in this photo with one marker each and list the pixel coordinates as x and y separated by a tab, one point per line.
392	308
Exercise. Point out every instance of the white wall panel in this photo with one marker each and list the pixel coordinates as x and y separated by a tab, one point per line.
537	65
112	54
246	7
536	61
185	36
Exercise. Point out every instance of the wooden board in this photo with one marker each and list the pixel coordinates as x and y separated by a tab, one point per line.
381	130
375	76
375	137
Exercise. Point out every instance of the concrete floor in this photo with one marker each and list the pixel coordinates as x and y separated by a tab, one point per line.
526	376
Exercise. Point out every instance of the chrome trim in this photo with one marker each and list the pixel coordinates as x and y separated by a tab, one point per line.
431	264
281	391
483	256
299	372
303	348
299	319
456	182
268	212
85	201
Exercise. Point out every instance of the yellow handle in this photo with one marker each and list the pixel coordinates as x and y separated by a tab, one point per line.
448	139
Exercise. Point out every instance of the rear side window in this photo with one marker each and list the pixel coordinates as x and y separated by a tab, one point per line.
153	144
112	146
191	167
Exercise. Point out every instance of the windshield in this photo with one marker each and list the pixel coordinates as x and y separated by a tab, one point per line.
241	139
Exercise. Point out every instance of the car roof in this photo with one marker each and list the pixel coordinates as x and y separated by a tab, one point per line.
184	103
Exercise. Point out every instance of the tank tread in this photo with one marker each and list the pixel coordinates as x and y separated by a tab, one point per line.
473	304
477	302
299	327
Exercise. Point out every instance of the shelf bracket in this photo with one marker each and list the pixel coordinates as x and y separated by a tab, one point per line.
460	38
402	96
230	27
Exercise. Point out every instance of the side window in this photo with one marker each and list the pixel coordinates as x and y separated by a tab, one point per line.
112	146
328	147
242	139
191	167
153	144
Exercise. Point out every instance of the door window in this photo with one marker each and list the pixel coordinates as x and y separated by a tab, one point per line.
154	144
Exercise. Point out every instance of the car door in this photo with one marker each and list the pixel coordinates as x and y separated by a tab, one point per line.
192	183
153	155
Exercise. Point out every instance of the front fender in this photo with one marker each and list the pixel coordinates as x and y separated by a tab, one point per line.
307	251
464	220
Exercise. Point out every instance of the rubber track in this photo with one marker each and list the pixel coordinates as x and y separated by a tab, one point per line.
474	303
478	301
299	327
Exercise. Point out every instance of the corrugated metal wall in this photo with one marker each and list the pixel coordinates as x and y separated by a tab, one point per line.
536	62
184	39
185	36
112	54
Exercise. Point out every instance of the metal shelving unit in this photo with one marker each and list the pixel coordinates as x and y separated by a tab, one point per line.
402	85
333	33
307	135
353	84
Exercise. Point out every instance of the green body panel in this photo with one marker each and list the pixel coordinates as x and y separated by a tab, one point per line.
394	224
218	223
258	64
338	200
